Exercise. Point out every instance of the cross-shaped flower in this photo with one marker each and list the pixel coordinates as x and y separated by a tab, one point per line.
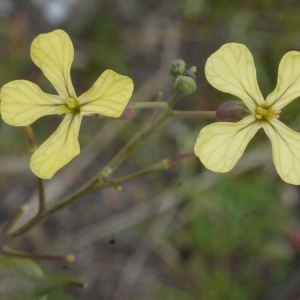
23	102
220	145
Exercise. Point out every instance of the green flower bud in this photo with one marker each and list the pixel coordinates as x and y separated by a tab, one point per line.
176	67
232	111
184	85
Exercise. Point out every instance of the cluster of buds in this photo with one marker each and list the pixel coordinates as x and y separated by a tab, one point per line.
185	82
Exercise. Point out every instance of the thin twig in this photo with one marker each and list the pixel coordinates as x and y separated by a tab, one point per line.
42	199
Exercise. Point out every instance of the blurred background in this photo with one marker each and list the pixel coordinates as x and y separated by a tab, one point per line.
185	233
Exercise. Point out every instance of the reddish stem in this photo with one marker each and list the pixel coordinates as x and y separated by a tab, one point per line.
181	157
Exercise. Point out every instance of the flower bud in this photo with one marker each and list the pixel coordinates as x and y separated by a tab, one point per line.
184	85
189	73
176	67
127	113
232	111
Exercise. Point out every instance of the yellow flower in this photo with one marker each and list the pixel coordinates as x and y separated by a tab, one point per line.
219	146
23	102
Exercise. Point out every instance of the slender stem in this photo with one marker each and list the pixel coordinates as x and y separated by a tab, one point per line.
78	284
30	137
11	223
193	114
110	167
174	113
44	215
147	105
151	113
41	190
161	165
42	199
173	99
9	252
109	183
135	142
180	157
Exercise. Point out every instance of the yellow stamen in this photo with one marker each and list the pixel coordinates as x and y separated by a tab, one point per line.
72	103
263	113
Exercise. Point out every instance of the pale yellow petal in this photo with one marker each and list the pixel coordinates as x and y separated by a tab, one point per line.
108	96
286	150
22	102
220	145
288	82
231	70
59	149
53	53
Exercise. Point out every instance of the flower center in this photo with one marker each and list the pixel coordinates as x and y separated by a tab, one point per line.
71	106
266	113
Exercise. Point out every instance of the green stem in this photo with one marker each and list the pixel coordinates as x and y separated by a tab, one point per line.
65	202
9	252
84	190
159	166
173	99
135	142
12	222
164	164
193	114
147	105
105	172
174	113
